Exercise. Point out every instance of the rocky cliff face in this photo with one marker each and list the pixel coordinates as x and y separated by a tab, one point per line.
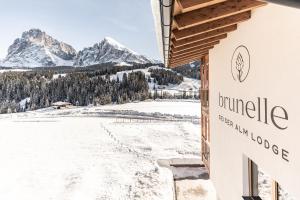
108	50
37	49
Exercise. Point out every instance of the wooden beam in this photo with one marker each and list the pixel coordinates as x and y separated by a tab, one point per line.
185	61
216	11
209	26
198	44
184	51
182	62
188	56
188	5
191	54
177	8
196	47
191	3
179	64
203	36
193	50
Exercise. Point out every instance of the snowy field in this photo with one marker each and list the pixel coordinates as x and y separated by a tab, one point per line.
13	70
96	153
175	107
198	189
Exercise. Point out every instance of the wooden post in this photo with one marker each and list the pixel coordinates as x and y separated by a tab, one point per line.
205	130
275	190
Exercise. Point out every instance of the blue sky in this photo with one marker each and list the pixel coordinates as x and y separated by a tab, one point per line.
81	23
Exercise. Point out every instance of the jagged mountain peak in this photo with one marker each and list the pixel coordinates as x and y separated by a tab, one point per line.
116	44
37	49
113	42
108	50
33	33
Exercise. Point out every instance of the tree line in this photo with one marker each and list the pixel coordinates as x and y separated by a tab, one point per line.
35	89
165	77
191	70
78	88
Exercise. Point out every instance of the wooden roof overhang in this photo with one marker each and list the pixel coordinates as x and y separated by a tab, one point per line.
199	25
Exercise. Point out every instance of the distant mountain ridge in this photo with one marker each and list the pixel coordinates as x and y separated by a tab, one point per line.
108	50
36	48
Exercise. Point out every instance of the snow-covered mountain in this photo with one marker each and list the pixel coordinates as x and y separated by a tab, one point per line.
108	50
37	49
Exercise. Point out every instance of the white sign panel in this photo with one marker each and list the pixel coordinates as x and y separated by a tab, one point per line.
255	101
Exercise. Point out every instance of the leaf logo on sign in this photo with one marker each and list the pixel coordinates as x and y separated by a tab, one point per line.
240	64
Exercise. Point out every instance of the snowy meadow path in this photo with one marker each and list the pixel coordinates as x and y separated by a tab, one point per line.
87	153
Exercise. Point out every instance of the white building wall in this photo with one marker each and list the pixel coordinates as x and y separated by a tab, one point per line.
272	37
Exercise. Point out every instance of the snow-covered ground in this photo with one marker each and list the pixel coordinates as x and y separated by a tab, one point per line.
179	107
13	70
56	76
198	189
91	153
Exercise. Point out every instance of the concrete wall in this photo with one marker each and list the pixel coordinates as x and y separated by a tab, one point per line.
272	37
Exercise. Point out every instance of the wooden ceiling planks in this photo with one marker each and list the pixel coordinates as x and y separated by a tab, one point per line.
199	43
199	25
216	11
195	49
177	9
204	45
192	53
196	30
179	58
203	36
189	5
184	61
188	60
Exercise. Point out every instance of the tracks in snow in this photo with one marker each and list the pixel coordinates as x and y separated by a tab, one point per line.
144	181
123	145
